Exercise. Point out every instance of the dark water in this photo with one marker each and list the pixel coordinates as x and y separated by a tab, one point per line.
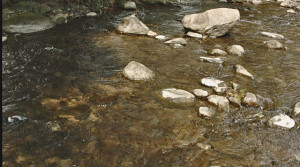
81	110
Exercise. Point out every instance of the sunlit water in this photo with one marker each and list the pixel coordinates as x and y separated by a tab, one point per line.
108	120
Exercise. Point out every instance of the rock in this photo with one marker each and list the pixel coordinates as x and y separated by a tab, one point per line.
220	89
132	25
129	5
151	33
91	14
16	118
4	38
297	156
176	46
282	120
290	11
273	35
60	18
194	35
220	101
236	50
235	86
160	37
178	95
297	108
200	93
203	146
265	103
256	2
27	23
288	3
241	70
250	99
53	126
235	100
137	71
213	22
218	60
218	52
212	82
273	44
207	112
176	41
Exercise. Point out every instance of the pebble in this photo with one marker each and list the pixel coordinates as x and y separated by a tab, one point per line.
203	146
161	37
282	120
220	101
176	41
290	11
212	82
236	50
194	35
241	70
151	33
272	35
250	99
4	38
218	52
218	60
200	93
273	44
177	95
138	71
207	112
91	14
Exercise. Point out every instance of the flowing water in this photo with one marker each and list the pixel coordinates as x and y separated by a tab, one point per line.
81	111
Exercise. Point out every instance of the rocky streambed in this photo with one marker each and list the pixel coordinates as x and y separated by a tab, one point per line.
87	93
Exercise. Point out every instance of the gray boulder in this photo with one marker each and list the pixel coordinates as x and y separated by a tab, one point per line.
132	25
213	22
137	71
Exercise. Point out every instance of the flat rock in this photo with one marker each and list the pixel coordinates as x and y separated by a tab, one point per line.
137	71
180	41
250	99
178	95
220	101
241	70
236	50
273	44
264	102
194	35
213	22
161	37
200	93
212	82
207	112
282	120
297	109
218	60
218	52
91	14
272	35
220	89
203	146
291	11
151	33
132	25
176	46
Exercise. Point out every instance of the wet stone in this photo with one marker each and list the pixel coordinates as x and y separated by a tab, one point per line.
291	11
273	44
282	120
272	35
297	109
177	95
91	14
200	93
151	33
137	71
241	70
218	52
4	38
212	82
218	60
207	112
180	41
250	99
129	5
160	37
194	35
220	101
265	103
236	50
203	146
221	89
235	86
235	100
176	46
60	18
132	25
256	2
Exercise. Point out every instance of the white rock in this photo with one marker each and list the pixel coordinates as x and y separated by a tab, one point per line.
16	117
132	25
220	101
161	37
241	70
235	101
236	50
4	38
180	41
297	108
151	33
290	11
194	35
91	14
212	82
213	22
207	112
137	71
273	44
272	35
220	89
250	99
129	5
203	146
200	93
282	120
235	86
256	2
218	60
178	95
218	52
287	3
176	46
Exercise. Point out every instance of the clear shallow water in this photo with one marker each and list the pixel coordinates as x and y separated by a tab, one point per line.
107	120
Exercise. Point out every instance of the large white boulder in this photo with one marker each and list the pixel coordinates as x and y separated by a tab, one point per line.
137	71
282	120
132	25
213	22
177	95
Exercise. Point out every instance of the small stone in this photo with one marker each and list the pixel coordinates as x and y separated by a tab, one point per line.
297	108
282	120
137	71
290	11
200	93
4	38
297	157
178	95
212	82
207	112
176	41
235	86
241	70
272	35
250	99
203	146
220	89
256	2
235	100
160	37
264	103
91	14
129	5
132	25
151	33
273	44
236	50
194	35
176	46
60	18
218	60
220	101
218	52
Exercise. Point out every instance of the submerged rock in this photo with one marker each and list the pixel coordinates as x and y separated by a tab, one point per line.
220	101
272	35
194	35
236	50
60	18
178	95
203	146
282	120
265	103
132	25
273	44
241	70
291	4
250	99
212	82
200	93
218	60
213	22
297	109
207	112
180	41
137	71
218	52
